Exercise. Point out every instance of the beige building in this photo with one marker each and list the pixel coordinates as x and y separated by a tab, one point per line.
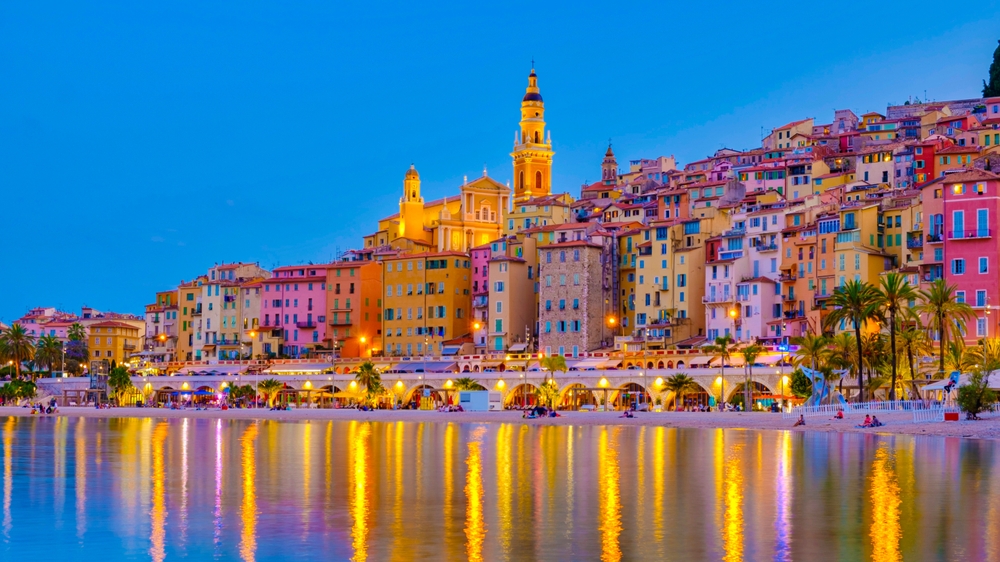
574	294
539	212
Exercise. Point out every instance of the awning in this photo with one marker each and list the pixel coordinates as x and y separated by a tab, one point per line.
299	368
518	347
428	367
610	364
211	370
587	363
485	364
451	349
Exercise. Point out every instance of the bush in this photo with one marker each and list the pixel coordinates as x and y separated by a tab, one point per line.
975	396
801	385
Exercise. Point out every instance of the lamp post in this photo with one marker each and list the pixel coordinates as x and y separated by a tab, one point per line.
364	341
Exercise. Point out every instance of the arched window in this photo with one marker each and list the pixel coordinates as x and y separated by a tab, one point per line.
538	181
536	136
520	180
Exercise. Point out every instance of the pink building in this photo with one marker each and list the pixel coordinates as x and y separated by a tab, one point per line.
480	294
969	252
294	299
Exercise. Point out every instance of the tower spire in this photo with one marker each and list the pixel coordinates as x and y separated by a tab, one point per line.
533	150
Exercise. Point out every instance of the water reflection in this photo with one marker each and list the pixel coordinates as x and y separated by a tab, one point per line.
475	527
248	512
885	531
610	524
161	489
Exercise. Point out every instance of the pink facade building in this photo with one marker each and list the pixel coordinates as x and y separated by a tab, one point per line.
480	294
969	243
294	300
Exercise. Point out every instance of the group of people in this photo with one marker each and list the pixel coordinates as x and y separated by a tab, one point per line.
870	421
40	408
540	412
450	408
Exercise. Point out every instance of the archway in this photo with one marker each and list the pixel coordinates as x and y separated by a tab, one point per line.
475	368
630	394
649	365
670	364
575	396
758	390
538	179
680	364
415	397
693	400
465	369
522	395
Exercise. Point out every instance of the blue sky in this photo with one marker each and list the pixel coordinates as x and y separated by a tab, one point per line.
140	144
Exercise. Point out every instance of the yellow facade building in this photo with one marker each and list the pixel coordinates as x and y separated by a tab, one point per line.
427	302
113	341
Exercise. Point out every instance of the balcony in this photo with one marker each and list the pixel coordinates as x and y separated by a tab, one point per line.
730	255
223	342
786	277
970	234
935	238
196	311
914	243
128	347
772	247
792	314
716	299
480	301
338	321
307	325
788	298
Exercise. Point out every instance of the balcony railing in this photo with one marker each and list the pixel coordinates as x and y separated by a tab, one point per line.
935	237
767	247
970	234
913	243
716	299
307	325
787	277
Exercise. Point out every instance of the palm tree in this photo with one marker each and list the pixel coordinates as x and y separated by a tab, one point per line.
941	305
369	377
750	354
77	332
722	349
17	346
894	295
466	383
813	350
842	354
553	364
854	302
48	351
270	388
680	384
914	341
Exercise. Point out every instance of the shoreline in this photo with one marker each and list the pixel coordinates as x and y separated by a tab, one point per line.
895	424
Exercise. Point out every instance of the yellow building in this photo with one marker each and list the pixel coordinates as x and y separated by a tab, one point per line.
532	147
473	217
628	252
540	211
189	319
427	301
858	251
113	341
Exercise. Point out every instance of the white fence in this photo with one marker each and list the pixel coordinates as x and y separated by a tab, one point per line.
931	415
862	408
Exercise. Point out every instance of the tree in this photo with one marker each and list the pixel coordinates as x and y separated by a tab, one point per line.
553	364
946	313
750	354
270	388
914	343
466	383
853	302
992	88
17	346
813	350
680	384
843	354
895	294
369	377
801	385
974	396
120	381
722	349
48	351
548	393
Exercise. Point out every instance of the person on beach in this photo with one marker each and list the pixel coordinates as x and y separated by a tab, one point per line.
875	422
867	423
839	415
801	421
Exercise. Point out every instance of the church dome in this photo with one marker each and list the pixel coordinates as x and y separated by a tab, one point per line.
532	96
412	172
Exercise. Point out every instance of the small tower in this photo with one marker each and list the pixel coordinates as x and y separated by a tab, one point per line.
609	168
532	147
411	206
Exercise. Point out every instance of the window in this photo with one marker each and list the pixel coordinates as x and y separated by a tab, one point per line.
981	325
980	298
984	265
958	267
576	278
960	296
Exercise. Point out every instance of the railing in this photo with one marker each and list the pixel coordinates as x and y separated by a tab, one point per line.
716	298
970	234
767	247
914	243
305	325
863	407
787	277
935	237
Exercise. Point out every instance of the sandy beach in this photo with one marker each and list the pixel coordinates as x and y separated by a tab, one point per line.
901	423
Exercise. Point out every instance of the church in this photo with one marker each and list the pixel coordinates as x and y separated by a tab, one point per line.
476	215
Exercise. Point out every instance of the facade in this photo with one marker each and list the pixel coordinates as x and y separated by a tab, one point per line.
532	147
427	302
113	341
571	292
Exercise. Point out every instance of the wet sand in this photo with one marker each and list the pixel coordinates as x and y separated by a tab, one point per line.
901	423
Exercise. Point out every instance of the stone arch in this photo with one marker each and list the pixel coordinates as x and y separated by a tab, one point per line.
680	364
757	386
465	369
475	368
670	364
568	401
659	365
627	393
649	365
521	394
415	393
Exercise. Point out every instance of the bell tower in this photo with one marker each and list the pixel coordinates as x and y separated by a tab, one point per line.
411	206
532	147
609	168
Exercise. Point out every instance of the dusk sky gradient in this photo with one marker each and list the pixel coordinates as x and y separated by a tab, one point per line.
141	144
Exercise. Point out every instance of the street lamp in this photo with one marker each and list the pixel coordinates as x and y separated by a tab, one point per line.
363	342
